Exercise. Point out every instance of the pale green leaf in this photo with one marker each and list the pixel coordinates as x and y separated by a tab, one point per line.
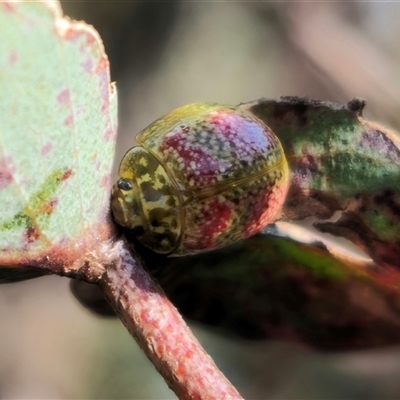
57	136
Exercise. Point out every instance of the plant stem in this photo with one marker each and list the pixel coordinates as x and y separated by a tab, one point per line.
161	332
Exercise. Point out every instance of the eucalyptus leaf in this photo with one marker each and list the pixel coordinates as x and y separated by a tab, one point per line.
57	136
345	172
274	288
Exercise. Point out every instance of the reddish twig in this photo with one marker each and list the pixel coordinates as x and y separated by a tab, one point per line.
161	332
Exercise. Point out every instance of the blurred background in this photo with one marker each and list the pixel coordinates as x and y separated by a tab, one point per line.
165	54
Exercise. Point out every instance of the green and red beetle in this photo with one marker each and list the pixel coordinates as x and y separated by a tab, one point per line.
202	177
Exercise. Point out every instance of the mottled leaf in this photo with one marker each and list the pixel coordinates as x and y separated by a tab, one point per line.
57	137
345	172
274	288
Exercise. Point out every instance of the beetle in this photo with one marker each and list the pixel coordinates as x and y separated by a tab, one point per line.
202	177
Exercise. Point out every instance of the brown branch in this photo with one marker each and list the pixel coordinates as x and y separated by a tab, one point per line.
161	332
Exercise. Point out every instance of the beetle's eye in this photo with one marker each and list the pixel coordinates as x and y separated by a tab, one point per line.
124	184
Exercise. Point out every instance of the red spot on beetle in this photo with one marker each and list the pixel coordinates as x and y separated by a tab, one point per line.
195	162
265	206
214	221
231	126
64	97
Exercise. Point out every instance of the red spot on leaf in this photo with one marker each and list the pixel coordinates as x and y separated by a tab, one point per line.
108	135
90	39
32	234
8	7
7	171
105	181
46	148
71	35
12	57
87	66
49	206
66	174
102	65
64	97
69	120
